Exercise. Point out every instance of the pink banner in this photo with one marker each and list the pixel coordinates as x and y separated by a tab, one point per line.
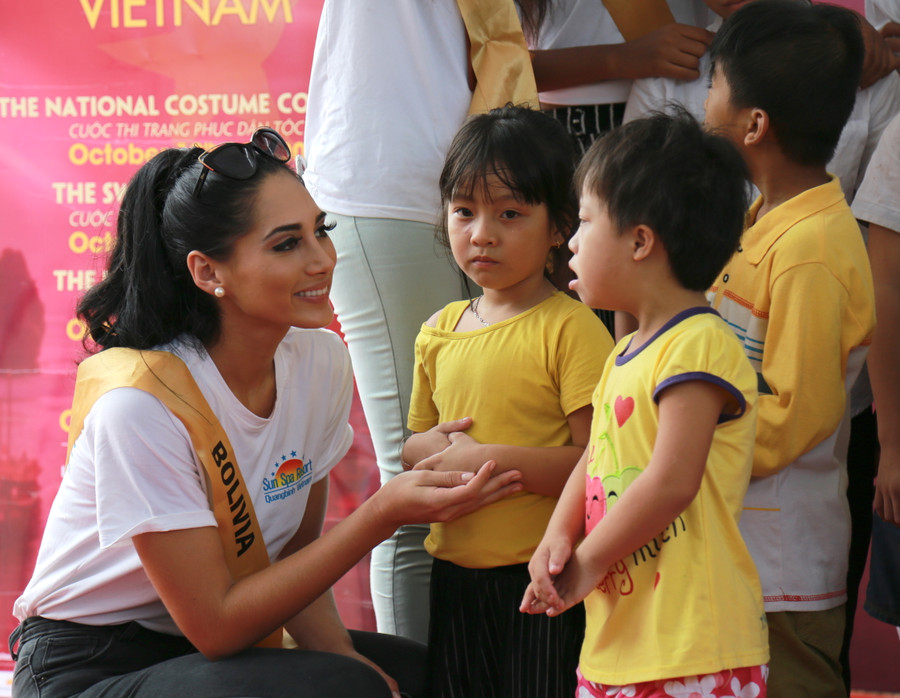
91	90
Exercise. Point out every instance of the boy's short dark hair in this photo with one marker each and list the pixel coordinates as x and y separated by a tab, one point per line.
801	63
689	186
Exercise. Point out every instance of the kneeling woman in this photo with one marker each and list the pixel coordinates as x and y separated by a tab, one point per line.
202	437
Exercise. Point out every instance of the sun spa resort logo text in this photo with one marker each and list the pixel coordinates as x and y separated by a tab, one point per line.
287	477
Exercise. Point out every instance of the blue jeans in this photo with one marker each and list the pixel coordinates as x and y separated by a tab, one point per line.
391	276
60	659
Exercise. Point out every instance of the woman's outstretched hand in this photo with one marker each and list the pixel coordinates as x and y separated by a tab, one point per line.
426	496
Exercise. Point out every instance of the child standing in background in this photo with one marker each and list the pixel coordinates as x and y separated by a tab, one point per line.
673	601
873	109
504	377
799	295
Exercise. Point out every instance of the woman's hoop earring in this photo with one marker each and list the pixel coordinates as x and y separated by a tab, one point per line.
220	292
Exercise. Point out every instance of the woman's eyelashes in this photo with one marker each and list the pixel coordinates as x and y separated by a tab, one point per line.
291	242
287	244
323	230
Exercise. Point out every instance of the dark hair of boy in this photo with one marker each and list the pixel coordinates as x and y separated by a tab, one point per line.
798	62
689	186
531	154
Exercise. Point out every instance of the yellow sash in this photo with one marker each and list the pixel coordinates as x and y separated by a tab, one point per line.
635	18
165	376
499	55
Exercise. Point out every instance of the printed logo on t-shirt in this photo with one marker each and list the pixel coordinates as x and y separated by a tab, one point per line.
602	491
289	475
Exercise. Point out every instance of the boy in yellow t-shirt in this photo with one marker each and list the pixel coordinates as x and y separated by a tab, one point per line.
671	594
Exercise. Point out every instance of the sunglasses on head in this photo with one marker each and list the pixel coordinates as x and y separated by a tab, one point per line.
238	160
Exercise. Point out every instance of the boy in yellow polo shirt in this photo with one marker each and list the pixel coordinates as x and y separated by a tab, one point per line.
799	295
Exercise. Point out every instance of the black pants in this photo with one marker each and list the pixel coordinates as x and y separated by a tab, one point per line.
481	646
59	658
585	123
862	464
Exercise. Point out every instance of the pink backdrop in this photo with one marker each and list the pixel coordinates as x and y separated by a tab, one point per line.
91	89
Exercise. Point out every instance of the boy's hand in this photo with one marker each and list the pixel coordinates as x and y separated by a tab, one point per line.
531	604
577	580
672	51
546	564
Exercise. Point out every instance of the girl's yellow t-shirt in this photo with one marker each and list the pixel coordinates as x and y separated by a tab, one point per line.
518	379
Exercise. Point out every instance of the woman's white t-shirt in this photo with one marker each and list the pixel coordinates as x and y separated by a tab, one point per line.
134	470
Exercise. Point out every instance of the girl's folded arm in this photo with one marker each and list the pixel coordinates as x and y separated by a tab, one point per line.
545	469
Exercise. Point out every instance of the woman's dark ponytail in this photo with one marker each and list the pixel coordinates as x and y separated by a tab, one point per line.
148	297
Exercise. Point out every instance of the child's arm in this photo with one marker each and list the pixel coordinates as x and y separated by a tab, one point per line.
803	396
688	415
566	526
545	470
423	413
672	51
423	444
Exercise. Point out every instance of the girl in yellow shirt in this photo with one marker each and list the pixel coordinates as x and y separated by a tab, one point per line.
505	377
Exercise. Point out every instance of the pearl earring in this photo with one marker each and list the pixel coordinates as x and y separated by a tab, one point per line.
220	292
